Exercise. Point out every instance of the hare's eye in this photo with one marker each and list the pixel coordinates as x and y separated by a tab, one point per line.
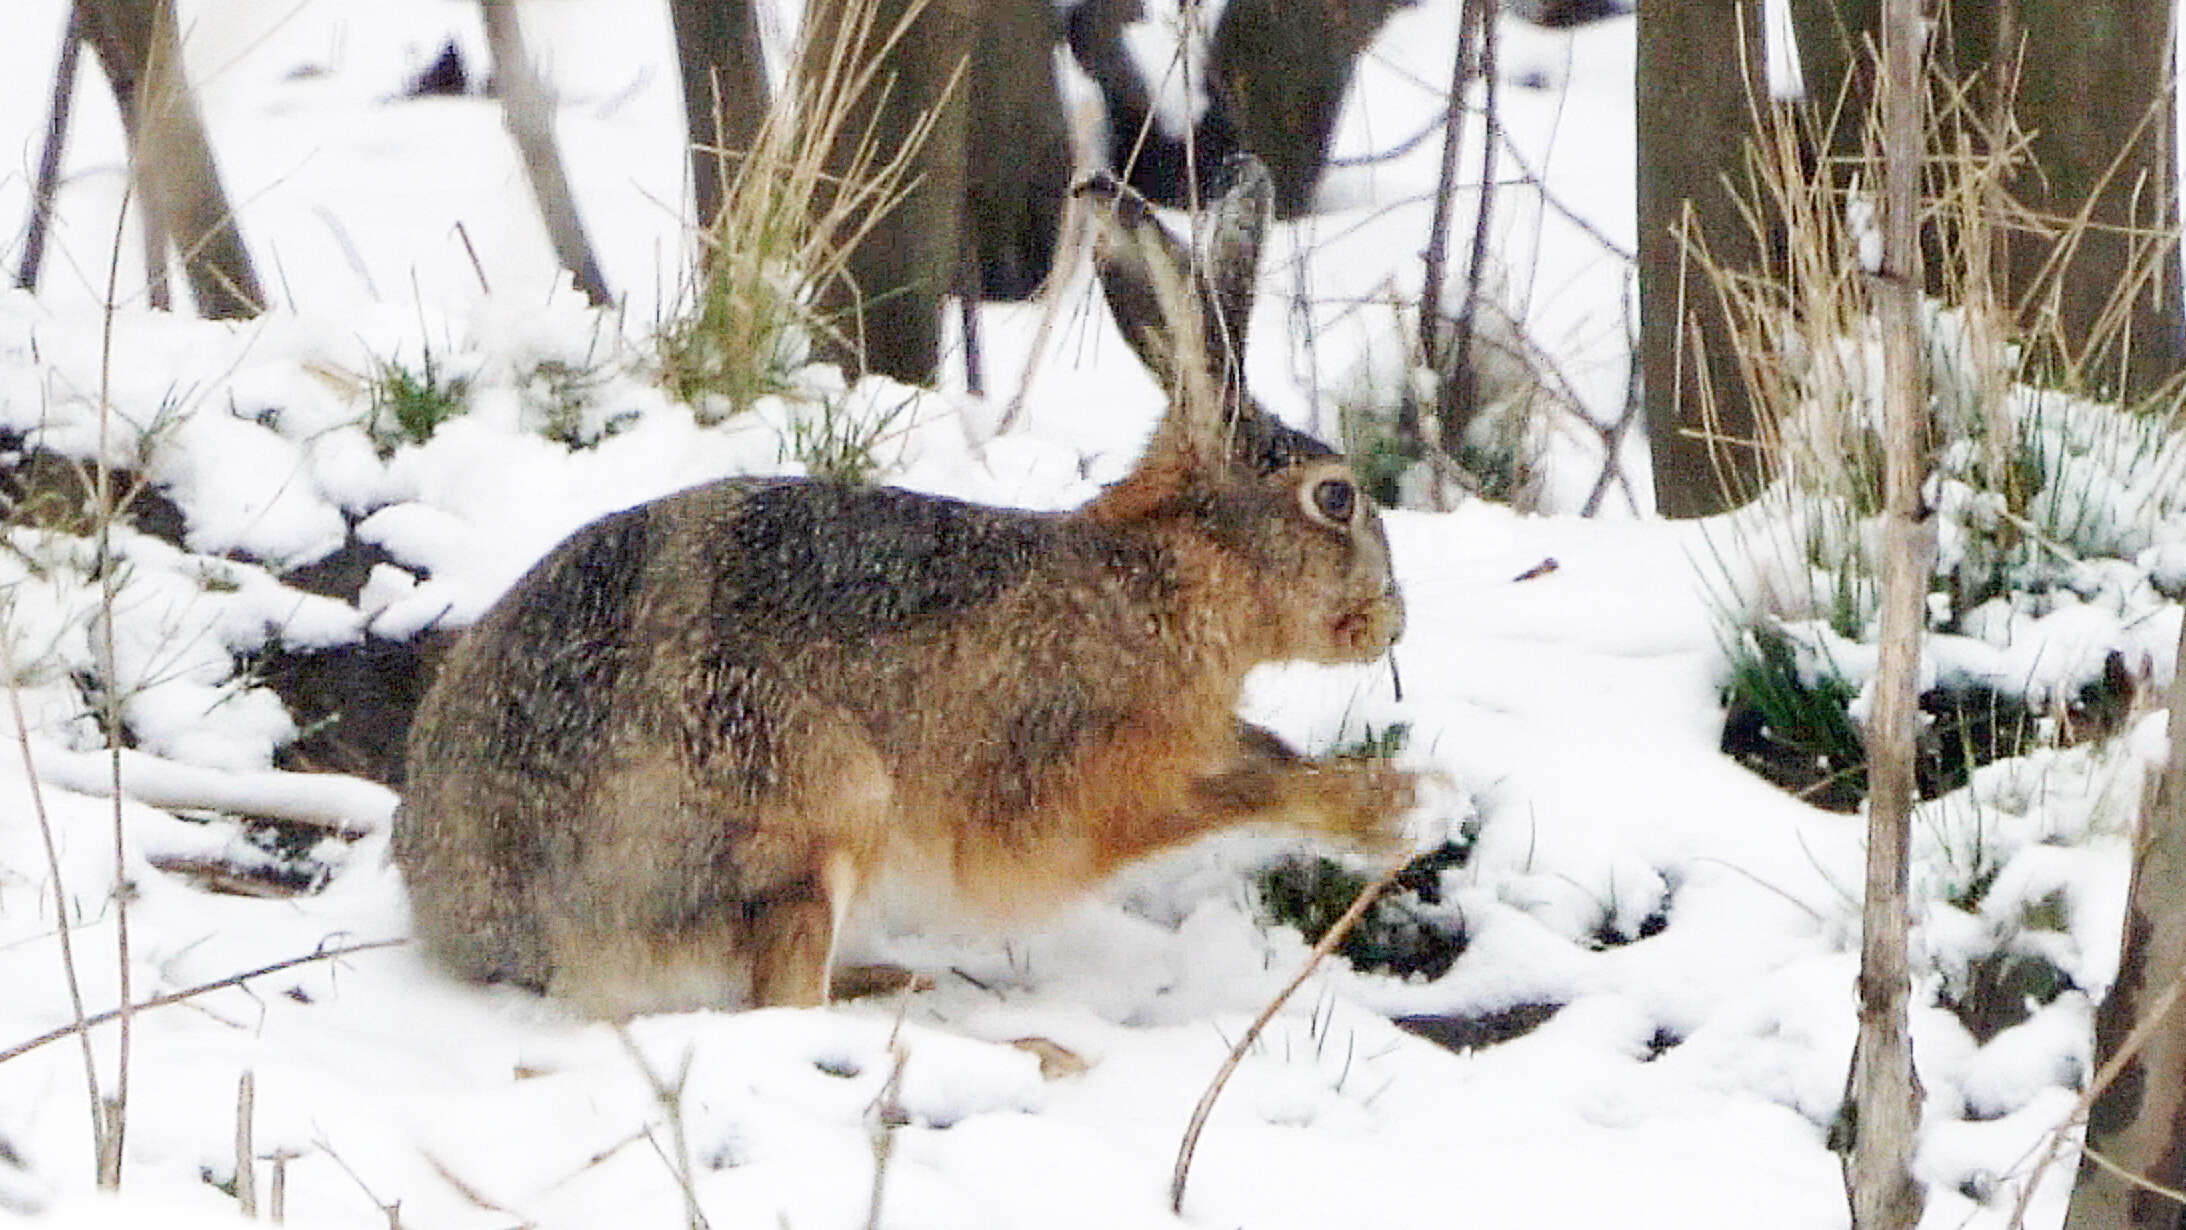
1334	498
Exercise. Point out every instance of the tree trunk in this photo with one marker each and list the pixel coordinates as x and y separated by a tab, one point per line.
1283	68
49	156
1018	150
140	50
1698	80
2138	1123
1884	1092
528	112
886	317
724	91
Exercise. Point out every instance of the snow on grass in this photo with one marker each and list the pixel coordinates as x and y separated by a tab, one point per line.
1695	929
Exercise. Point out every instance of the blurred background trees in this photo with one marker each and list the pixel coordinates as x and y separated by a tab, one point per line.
2076	99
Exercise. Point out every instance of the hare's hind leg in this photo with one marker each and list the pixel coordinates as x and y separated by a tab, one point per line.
793	957
793	935
840	803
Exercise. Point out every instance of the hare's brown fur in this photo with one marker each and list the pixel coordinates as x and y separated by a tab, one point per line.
663	767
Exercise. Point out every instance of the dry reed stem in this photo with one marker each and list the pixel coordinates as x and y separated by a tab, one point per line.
246	1153
114	1113
788	225
82	1022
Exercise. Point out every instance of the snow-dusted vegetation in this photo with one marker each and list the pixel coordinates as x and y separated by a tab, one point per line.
1641	953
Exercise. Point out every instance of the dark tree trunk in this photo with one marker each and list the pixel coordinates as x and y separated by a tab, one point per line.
724	91
2138	1123
1018	151
140	51
1698	80
887	319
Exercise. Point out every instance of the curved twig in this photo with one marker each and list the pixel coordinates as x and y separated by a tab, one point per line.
175	997
1367	896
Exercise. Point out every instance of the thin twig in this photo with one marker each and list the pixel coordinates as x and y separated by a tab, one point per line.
175	997
1394	152
113	1114
1613	437
1455	399
1336	933
1436	256
670	1098
82	1023
887	1115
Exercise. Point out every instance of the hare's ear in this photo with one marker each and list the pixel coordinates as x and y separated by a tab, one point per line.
1234	227
1186	319
1147	280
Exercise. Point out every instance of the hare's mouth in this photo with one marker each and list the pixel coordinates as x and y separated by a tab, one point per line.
1369	630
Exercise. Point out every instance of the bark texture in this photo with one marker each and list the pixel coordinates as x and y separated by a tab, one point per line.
886	316
527	109
1885	1093
2089	82
1018	151
724	91
1698	79
2138	1124
140	49
1283	67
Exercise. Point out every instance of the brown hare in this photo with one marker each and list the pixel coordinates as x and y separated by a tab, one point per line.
658	773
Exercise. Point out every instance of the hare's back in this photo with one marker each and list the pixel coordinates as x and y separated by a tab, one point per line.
807	562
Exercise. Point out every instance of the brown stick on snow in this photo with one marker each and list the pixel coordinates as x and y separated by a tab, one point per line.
1367	896
528	113
1884	1092
188	993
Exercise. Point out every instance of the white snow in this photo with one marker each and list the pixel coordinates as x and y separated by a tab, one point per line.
1564	675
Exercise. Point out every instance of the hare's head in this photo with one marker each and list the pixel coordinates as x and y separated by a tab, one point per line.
1279	501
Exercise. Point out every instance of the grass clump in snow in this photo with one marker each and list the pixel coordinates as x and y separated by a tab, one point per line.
560	403
409	405
2059	520
1793	725
788	224
833	441
1411	931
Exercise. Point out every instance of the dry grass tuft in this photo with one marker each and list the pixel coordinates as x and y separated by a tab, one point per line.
786	228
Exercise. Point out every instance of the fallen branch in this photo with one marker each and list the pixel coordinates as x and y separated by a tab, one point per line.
175	997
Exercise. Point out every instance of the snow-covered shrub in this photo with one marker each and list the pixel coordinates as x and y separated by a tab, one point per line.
2057	517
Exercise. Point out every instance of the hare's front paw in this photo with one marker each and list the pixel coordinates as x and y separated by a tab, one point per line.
1438	814
1365	803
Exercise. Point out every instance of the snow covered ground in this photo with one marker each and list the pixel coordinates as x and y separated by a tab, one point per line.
1697	926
